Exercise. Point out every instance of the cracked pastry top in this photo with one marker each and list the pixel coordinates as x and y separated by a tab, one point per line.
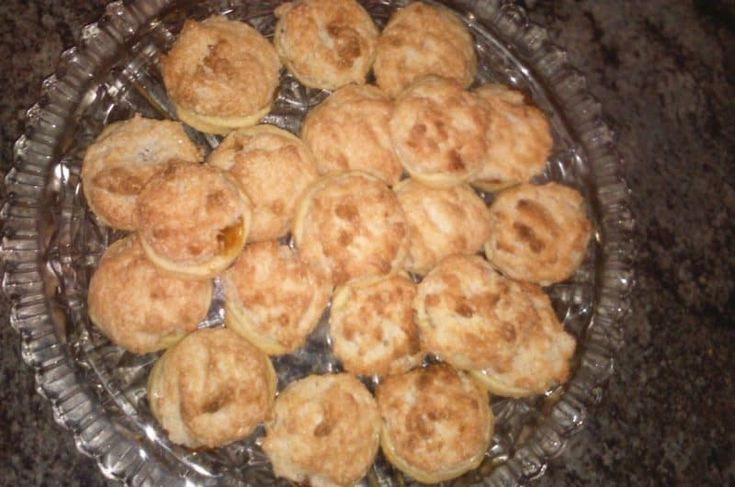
372	328
520	139
478	320
273	298
325	431
441	222
273	167
193	219
325	43
220	74
350	225
539	232
123	158
437	422
439	131
139	307
422	40
212	388
349	131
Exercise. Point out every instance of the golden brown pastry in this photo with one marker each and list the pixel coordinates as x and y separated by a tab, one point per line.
211	389
520	139
350	225
274	168
349	131
273	298
123	158
220	74
139	307
477	320
325	431
441	222
439	132
325	43
421	40
193	219
437	422
539	232
371	326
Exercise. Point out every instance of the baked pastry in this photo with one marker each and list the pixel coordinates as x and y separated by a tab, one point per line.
325	43
137	306
422	40
193	219
211	389
274	168
220	74
476	319
437	422
441	222
371	326
439	132
520	139
350	225
123	158
325	431
349	131
273	298
539	232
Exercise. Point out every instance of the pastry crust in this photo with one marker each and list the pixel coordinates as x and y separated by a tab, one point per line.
273	298
211	389
274	168
441	222
193	219
439	132
437	423
349	131
325	431
422	40
520	139
220	74
371	326
325	43
123	158
539	232
350	225
137	306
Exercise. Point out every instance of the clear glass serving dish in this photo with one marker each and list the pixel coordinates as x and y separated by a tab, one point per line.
51	243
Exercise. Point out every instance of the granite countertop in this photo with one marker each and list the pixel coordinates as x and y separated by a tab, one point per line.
665	73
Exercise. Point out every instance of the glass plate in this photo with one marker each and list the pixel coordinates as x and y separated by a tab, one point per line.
51	243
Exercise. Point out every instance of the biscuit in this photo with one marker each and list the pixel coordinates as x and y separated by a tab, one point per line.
520	139
422	40
476	319
273	298
439	131
441	222
325	43
371	326
220	74
325	431
350	225
274	168
539	232
437	422
211	389
123	158
349	131
193	219
137	306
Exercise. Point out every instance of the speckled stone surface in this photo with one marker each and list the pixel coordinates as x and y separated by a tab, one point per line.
665	73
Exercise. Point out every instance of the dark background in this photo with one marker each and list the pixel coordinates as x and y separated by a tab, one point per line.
665	74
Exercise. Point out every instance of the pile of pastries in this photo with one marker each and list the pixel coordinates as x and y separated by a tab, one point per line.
378	196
